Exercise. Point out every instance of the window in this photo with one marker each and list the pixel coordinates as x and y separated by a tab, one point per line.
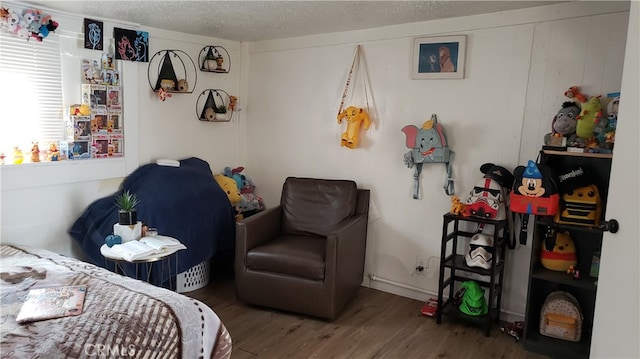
31	96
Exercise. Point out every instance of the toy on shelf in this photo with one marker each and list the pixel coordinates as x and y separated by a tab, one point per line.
457	207
590	116
17	156
163	74
163	94
563	125
53	153
35	153
214	105
574	94
29	23
590	123
213	59
80	110
607	137
562	254
572	271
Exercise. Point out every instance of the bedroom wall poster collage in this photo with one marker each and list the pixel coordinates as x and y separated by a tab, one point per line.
95	128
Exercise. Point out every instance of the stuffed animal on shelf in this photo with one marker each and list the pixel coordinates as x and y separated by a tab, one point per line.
183	85
457	207
589	117
561	256
574	93
563	125
163	94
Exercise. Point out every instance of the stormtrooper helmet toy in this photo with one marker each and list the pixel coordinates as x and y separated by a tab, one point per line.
480	252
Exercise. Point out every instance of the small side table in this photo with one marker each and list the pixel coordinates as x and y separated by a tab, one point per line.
148	261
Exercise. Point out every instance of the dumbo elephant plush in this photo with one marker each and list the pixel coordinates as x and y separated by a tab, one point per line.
428	144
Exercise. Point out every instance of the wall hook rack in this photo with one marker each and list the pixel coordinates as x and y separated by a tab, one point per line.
212	106
172	70
214	59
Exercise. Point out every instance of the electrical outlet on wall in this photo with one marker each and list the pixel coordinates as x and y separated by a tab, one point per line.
421	267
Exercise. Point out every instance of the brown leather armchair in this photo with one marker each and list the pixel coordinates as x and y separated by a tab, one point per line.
307	254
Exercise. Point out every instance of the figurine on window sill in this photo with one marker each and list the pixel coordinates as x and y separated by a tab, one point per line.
35	153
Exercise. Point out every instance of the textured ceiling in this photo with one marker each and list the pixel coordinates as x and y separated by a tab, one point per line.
264	20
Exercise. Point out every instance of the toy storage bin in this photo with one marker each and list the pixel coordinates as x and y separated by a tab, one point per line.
194	278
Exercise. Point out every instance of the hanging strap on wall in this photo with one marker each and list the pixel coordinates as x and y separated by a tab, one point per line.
448	182
416	181
363	73
356	57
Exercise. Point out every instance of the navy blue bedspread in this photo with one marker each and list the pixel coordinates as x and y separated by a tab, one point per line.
182	202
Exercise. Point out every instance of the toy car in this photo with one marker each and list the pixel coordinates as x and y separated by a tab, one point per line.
430	307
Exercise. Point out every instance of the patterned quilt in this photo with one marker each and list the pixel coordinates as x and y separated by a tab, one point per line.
122	317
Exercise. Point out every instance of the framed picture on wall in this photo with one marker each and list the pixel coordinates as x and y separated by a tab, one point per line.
438	57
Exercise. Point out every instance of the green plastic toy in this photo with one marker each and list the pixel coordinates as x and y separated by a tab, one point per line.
473	301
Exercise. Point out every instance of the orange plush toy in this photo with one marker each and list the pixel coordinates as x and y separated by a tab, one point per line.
574	93
356	118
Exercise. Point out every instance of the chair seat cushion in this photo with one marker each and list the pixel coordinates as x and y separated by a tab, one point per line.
298	256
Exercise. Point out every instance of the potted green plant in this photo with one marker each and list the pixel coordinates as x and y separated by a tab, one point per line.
127	213
221	112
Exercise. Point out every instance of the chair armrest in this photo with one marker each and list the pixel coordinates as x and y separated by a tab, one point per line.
346	250
258	228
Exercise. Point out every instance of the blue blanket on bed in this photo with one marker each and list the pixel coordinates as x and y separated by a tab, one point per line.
182	202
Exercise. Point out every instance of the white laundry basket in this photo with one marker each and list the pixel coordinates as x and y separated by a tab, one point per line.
194	278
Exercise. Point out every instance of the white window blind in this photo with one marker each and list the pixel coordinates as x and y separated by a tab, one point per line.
31	105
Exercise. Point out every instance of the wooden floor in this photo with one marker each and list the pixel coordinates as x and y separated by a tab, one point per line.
374	325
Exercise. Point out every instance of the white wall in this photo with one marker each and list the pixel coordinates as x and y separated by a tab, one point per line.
40	202
518	65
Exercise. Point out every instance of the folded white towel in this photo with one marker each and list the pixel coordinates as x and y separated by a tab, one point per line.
168	162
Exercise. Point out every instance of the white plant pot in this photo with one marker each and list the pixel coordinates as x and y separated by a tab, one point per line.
221	116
